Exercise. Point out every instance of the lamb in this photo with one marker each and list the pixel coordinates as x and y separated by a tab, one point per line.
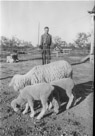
41	92
12	58
42	73
9	59
67	85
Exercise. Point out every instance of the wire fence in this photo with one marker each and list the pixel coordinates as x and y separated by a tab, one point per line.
34	54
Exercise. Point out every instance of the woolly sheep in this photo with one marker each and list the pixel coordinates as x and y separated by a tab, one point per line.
40	91
12	58
42	73
9	59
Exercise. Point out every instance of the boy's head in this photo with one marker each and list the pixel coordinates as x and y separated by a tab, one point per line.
46	29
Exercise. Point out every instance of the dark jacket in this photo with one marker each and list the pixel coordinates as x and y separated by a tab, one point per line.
46	40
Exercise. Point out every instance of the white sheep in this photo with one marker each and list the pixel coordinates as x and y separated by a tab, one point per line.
42	73
67	85
42	91
9	59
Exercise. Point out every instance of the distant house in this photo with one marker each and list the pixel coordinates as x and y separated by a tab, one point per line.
58	49
66	50
64	44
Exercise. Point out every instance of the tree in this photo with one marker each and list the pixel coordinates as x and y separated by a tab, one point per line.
82	40
59	41
14	44
4	41
71	45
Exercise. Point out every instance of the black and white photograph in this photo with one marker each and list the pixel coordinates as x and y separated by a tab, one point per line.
47	67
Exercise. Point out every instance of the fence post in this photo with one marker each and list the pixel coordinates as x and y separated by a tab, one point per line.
92	35
57	54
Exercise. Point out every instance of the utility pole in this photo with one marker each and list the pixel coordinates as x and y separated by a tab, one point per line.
92	13
38	32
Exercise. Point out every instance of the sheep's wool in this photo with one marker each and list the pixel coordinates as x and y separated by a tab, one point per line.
42	73
50	72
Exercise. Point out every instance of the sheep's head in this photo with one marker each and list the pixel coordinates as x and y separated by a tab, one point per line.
17	103
14	105
17	82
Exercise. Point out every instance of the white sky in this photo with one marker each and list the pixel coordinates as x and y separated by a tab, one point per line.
64	18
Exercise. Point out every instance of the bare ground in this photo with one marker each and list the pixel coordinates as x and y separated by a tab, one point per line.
77	121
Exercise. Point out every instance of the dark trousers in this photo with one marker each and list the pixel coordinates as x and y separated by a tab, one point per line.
46	56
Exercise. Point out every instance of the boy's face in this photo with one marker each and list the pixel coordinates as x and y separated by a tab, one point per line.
46	30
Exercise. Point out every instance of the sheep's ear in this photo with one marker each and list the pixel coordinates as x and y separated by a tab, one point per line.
11	83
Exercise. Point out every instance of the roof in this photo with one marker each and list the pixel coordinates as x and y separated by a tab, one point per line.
93	11
67	49
59	47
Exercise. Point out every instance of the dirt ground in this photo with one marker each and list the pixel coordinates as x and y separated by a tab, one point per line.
77	121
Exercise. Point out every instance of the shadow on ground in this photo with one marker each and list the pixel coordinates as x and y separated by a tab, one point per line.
80	91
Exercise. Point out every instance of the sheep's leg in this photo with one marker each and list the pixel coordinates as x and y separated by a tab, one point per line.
42	112
50	105
47	106
30	102
26	108
71	97
56	105
74	100
44	108
56	101
50	99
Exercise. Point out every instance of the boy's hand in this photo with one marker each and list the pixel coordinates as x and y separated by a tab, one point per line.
40	46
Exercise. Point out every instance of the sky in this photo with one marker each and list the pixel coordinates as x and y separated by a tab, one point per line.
64	18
